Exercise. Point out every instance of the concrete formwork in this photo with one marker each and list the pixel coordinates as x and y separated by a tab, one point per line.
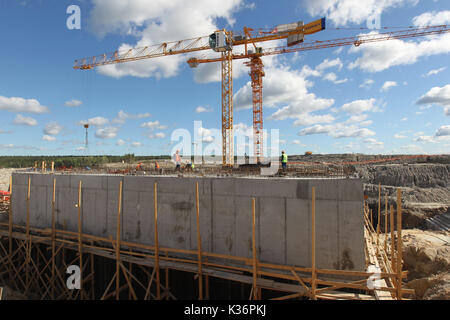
283	214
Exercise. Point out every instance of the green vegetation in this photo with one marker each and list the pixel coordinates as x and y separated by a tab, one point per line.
70	161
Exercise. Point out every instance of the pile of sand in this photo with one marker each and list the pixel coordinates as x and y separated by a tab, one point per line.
426	255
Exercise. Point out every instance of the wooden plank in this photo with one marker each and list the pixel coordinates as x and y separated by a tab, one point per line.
255	272
119	213
399	244
199	247
80	243
313	243
155	200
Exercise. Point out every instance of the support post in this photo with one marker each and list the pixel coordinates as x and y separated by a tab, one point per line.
255	270
313	243
371	218
392	226
386	213
379	217
167	278
10	227
53	240
399	244
80	246
199	247
28	239
10	220
158	285
119	215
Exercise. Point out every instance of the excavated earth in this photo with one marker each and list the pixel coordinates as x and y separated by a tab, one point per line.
425	198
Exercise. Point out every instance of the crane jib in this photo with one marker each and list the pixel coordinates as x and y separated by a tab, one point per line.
315	26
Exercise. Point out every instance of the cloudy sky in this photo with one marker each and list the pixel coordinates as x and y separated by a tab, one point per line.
386	97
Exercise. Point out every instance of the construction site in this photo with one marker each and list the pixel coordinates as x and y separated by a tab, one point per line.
233	227
321	230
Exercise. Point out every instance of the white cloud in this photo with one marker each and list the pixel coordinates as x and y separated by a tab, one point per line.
107	133
373	143
338	50
136	144
344	12
379	56
338	130
52	129
153	125
201	109
73	103
412	148
432	18
367	83
308	119
157	22
387	85
96	121
158	135
357	118
439	96
443	131
287	88
308	72
404	119
434	71
123	116
48	138
360	106
16	104
297	142
325	64
120	142
26	121
333	78
425	139
399	136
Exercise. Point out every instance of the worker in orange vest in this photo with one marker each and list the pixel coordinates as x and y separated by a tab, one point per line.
177	159
156	165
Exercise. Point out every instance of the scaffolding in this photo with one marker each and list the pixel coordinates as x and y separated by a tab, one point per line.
35	261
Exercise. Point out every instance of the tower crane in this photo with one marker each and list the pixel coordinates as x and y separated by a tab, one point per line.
223	41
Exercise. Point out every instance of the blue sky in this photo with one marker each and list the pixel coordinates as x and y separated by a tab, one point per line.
387	97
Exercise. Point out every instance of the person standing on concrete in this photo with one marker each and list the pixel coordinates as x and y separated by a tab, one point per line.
177	159
284	160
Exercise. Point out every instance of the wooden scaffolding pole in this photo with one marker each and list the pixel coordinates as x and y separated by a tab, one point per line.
80	244
119	215
28	239
255	268
199	246
10	220
155	200
53	240
386	213
10	228
313	243
399	244
392	226
379	217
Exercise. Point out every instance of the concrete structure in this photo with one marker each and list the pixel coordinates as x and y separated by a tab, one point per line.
283	214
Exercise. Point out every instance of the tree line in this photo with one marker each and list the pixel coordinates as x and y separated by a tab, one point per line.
71	161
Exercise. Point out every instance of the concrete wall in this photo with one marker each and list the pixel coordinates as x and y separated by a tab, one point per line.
283	214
